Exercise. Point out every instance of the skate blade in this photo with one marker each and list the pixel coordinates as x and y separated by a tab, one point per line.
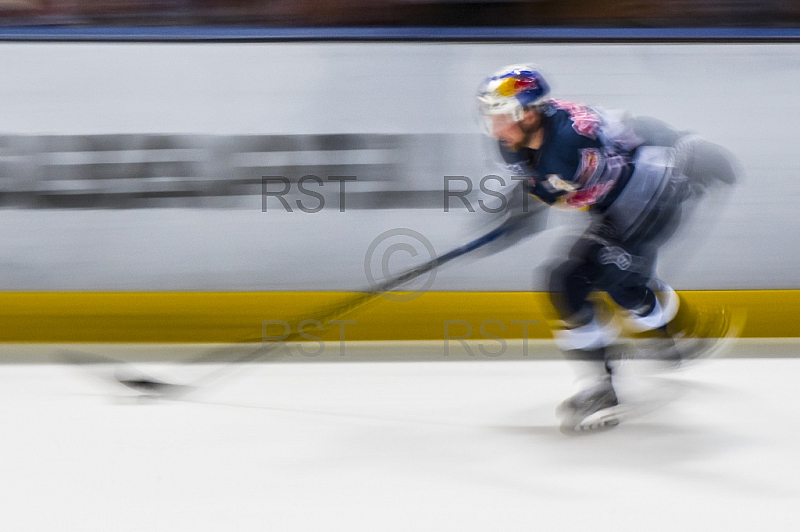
602	420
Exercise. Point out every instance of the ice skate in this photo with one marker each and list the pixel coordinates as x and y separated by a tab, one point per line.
705	333
693	333
594	408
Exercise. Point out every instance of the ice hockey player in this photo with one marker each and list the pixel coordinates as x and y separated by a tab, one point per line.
635	176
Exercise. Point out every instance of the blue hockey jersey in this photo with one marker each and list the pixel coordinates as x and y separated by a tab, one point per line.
576	167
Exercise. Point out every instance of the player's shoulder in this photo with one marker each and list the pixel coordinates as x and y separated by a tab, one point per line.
569	118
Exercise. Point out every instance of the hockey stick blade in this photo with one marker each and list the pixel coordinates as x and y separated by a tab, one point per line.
126	374
147	385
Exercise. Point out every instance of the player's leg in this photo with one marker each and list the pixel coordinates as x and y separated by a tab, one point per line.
584	338
700	331
676	331
651	306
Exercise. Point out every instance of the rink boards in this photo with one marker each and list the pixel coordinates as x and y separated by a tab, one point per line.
179	270
186	317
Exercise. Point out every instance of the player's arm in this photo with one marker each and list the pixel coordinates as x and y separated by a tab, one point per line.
523	218
702	162
534	192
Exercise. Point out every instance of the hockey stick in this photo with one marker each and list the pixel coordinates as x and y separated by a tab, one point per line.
143	383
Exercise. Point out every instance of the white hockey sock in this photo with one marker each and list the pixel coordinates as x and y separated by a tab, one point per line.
660	315
593	335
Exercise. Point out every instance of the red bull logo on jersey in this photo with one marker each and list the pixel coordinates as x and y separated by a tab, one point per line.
584	120
590	162
582	199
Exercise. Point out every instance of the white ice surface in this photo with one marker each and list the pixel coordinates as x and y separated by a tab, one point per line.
397	446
